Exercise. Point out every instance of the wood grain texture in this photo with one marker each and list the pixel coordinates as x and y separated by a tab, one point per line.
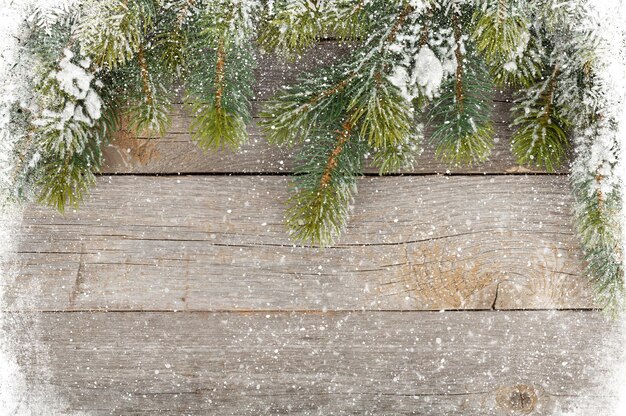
271	328
176	153
373	363
217	243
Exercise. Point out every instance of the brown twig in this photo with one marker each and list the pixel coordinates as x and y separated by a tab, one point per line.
458	53
398	23
331	164
549	96
328	92
145	74
347	126
182	15
425	28
219	74
599	178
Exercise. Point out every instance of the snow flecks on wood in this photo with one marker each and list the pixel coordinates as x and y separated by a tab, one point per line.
367	363
449	243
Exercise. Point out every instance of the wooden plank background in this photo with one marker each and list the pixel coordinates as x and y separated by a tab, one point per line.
176	290
176	153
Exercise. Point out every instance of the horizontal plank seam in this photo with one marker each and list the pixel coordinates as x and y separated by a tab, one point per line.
329	312
366	174
322	393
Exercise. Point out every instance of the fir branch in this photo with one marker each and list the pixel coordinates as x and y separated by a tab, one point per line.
541	137
219	74
384	116
329	92
111	30
64	184
172	37
290	115
426	26
598	208
402	155
145	75
461	116
347	19
221	105
148	109
66	129
72	118
511	46
360	97
319	208
599	228
458	54
331	164
296	26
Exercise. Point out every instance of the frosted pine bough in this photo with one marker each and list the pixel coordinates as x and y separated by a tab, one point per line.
413	63
16	81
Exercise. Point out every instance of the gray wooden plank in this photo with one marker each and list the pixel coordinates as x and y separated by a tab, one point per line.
415	363
176	153
217	243
273	72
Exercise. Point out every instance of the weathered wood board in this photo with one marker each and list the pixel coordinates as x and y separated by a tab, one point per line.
370	363
177	153
183	295
216	243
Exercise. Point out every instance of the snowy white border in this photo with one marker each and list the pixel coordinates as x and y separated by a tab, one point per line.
17	396
612	21
12	14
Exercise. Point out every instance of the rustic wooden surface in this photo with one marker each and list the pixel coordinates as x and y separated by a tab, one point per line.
175	152
344	363
206	243
183	295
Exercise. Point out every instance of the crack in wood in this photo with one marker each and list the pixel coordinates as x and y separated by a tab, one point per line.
80	279
338	246
185	297
495	298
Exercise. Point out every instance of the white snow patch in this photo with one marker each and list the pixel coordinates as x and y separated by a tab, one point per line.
611	21
18	397
73	79
429	71
423	78
400	79
93	105
510	66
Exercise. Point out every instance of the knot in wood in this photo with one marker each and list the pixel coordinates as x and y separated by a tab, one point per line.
519	398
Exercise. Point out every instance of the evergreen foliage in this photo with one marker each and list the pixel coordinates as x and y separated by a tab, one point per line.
541	138
371	112
461	116
107	63
509	44
219	75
